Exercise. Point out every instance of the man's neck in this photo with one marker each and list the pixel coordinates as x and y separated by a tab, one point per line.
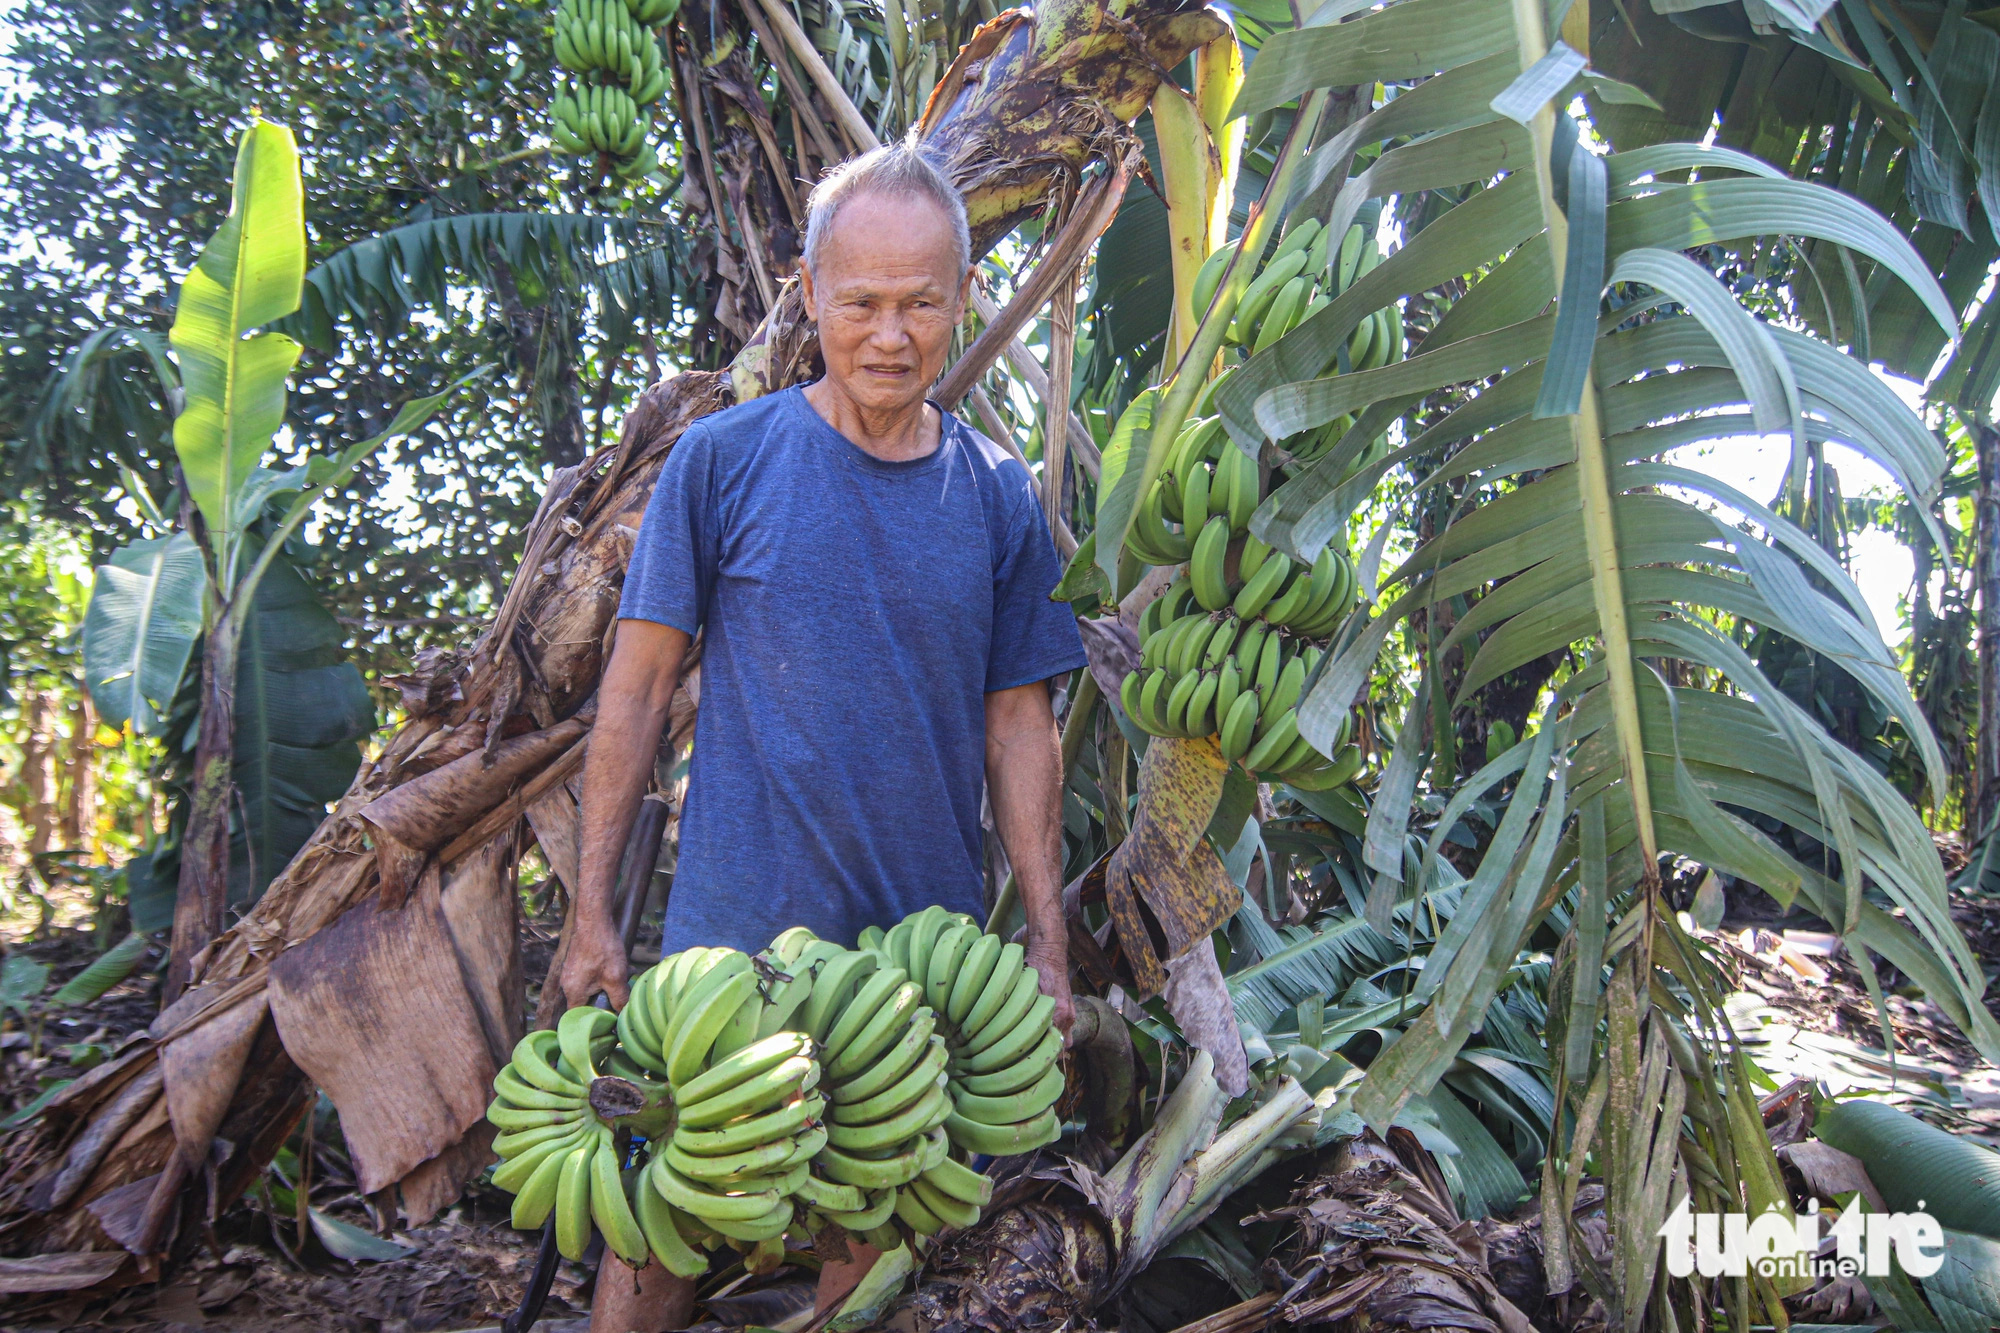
898	436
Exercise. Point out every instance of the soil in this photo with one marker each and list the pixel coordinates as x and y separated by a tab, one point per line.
262	1271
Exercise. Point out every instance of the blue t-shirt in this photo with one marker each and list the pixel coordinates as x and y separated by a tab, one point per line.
857	613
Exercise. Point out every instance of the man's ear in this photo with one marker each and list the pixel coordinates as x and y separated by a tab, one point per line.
965	288
806	290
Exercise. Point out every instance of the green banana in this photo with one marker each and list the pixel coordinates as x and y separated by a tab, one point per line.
874	993
952	1212
830	1196
714	1171
663	1236
1228	686
999	985
743	1065
741	1135
1154	543
917	1217
911	1048
1269	659
1010	1108
767	1227
1209	277
832	988
1194	499
1290	681
503	1116
573	1203
887	1133
1275	741
903	1093
1003	1140
772	1088
1254	594
1246	490
1199	720
930	924
1177	702
1261	293
1015	1043
1239	728
960	1182
871	1173
1018	1075
881	1205
516	1091
947	956
880	1033
696	1030
1020	1000
611	1210
709	1205
1205	565
533	1061
537	1194
1284	313
1284	608
1150	715
514	1143
980	961
514	1173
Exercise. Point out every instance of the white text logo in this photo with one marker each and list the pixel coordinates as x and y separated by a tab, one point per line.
1734	1244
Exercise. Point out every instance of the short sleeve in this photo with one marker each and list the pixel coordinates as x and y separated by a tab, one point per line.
1033	637
674	560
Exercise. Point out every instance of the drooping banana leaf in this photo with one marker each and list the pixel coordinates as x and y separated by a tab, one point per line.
144	618
1581	528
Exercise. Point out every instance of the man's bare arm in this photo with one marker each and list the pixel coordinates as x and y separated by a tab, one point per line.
1024	782
632	703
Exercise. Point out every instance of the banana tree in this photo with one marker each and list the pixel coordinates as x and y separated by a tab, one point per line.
156	597
1028	109
1541	433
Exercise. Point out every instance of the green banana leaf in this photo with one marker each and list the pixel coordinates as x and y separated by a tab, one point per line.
301	711
1914	1164
144	617
1580	531
248	276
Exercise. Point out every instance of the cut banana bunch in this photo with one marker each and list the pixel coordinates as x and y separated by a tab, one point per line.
558	1155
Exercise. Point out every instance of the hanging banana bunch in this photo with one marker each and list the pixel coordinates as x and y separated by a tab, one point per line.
1226	651
611	48
808	1086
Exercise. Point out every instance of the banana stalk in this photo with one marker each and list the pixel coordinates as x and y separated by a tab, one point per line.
1189	168
1218	77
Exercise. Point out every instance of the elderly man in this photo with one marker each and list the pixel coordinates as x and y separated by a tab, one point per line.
873	578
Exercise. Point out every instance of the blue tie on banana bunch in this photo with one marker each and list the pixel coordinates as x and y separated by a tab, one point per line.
737	1098
1227	650
610	46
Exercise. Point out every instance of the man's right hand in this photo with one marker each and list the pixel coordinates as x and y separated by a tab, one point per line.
595	962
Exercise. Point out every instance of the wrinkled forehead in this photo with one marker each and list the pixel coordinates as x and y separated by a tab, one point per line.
879	232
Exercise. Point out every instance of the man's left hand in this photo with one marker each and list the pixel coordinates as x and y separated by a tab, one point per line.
1051	964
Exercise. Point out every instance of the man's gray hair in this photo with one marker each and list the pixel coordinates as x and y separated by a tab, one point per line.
892	169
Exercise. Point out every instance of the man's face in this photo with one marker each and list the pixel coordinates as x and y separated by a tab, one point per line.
887	294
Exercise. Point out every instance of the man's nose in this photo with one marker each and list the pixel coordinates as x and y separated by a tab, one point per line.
891	330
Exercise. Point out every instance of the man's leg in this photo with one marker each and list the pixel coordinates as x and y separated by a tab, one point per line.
651	1300
836	1280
